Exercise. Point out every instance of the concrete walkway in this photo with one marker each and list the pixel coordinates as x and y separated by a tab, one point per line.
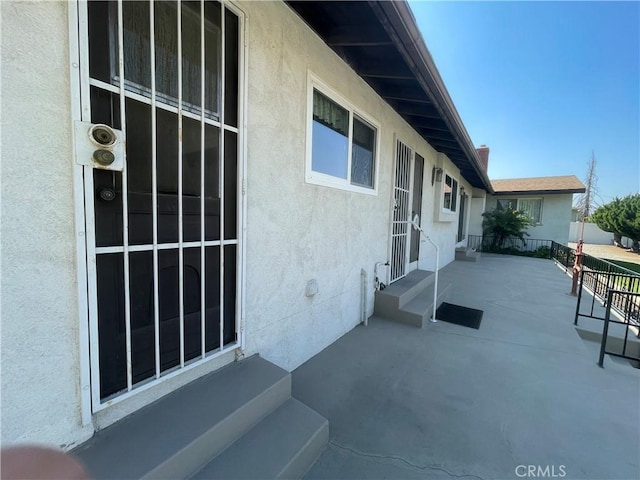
448	402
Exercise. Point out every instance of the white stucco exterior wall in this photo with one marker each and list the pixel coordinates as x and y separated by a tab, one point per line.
478	207
296	231
40	359
591	234
556	216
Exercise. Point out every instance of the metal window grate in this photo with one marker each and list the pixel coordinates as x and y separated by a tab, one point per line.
400	227
163	252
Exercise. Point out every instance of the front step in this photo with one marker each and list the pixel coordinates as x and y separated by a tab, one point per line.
467	255
410	299
420	309
177	435
283	445
388	301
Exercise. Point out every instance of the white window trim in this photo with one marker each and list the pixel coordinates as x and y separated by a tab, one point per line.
446	174
317	178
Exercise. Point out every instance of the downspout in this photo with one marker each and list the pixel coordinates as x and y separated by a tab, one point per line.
414	223
378	285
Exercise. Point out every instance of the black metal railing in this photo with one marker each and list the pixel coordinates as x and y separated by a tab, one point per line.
536	247
563	255
631	300
529	247
566	257
599	285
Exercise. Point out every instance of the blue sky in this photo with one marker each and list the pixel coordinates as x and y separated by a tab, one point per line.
543	84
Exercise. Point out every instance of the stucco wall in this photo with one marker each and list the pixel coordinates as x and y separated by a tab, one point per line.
556	216
478	206
295	231
298	231
591	234
40	367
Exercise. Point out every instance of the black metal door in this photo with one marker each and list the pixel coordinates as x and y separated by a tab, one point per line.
416	209
165	234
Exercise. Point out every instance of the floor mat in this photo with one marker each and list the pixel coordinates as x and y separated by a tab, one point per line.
465	316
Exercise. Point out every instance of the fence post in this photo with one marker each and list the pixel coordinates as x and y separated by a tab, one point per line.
605	330
575	320
577	266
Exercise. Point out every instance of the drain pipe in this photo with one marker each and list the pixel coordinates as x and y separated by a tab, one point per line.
378	285
414	222
363	297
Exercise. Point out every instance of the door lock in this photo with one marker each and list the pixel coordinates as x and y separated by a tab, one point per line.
107	194
99	146
103	157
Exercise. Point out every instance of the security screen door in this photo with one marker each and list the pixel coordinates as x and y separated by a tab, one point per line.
162	235
401	207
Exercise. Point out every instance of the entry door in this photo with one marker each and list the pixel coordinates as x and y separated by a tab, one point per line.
461	217
401	209
416	210
162	234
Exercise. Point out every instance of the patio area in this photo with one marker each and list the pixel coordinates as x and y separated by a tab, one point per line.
524	391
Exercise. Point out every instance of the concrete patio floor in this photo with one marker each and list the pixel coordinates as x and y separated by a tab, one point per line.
447	401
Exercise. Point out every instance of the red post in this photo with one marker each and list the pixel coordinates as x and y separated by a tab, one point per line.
577	266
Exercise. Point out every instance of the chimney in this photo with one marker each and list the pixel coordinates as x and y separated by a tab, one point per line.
483	153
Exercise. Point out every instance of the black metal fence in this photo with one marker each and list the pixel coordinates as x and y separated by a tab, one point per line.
619	293
566	257
631	301
600	284
529	247
536	247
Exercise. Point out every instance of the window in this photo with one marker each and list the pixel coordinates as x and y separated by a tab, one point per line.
450	194
531	207
508	203
343	146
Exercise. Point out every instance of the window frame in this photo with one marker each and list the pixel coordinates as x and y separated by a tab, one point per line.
318	178
454	197
518	208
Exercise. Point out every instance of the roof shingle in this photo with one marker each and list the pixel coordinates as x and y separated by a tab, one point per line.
538	185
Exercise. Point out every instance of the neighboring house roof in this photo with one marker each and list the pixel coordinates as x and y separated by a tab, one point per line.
380	40
538	185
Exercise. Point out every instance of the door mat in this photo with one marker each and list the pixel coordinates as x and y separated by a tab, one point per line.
465	316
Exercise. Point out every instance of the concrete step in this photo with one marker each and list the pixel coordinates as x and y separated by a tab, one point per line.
401	292
420	309
467	255
283	445
175	436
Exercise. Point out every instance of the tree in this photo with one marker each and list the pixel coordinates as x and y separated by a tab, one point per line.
622	218
629	219
502	223
605	218
586	202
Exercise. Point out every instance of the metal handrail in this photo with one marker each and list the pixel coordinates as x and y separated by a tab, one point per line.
599	284
414	223
627	322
